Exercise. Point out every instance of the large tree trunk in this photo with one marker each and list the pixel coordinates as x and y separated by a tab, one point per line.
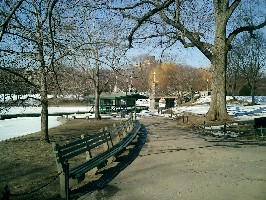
97	104
253	93
43	89
217	109
44	112
97	93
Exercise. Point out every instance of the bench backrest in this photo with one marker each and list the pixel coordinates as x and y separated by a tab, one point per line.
77	147
80	146
260	122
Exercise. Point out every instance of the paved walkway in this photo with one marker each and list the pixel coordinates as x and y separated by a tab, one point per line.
175	163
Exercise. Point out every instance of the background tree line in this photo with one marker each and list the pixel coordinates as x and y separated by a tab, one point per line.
172	78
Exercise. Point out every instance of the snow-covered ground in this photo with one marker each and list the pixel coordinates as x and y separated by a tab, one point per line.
20	126
241	112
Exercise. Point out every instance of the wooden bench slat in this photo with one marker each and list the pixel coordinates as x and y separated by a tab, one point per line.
93	162
87	138
80	151
114	129
95	140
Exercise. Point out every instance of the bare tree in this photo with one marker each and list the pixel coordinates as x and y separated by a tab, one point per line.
72	81
233	73
175	79
249	57
100	47
29	44
140	69
5	18
206	25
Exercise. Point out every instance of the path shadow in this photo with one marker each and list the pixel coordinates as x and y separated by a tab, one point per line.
109	174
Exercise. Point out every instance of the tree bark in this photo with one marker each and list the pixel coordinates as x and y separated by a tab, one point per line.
43	89
97	92
217	109
44	112
97	104
253	92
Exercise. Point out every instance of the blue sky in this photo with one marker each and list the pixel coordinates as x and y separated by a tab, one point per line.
192	56
187	56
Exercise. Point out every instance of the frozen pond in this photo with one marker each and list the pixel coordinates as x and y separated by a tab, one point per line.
10	128
59	109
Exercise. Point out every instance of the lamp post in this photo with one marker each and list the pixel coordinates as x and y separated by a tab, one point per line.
115	87
126	93
130	86
207	87
153	89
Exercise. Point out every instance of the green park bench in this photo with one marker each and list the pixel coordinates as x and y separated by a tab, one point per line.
260	127
85	155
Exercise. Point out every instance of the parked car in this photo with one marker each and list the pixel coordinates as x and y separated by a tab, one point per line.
82	116
144	113
186	99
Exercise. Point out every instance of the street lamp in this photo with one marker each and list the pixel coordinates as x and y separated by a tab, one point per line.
126	93
207	87
115	87
130	86
153	92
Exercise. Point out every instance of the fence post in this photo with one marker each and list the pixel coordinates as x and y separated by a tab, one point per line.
224	129
5	193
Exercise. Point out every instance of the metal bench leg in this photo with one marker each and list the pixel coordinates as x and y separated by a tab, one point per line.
64	183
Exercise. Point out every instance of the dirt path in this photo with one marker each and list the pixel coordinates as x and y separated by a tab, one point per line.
179	164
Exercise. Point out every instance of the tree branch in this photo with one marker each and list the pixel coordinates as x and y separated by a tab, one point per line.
133	6
194	38
50	13
232	8
146	17
250	28
21	36
6	21
18	75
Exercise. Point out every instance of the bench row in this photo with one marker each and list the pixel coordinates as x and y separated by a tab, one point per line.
75	159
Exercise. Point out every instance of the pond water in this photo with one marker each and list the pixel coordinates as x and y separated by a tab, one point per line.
10	128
